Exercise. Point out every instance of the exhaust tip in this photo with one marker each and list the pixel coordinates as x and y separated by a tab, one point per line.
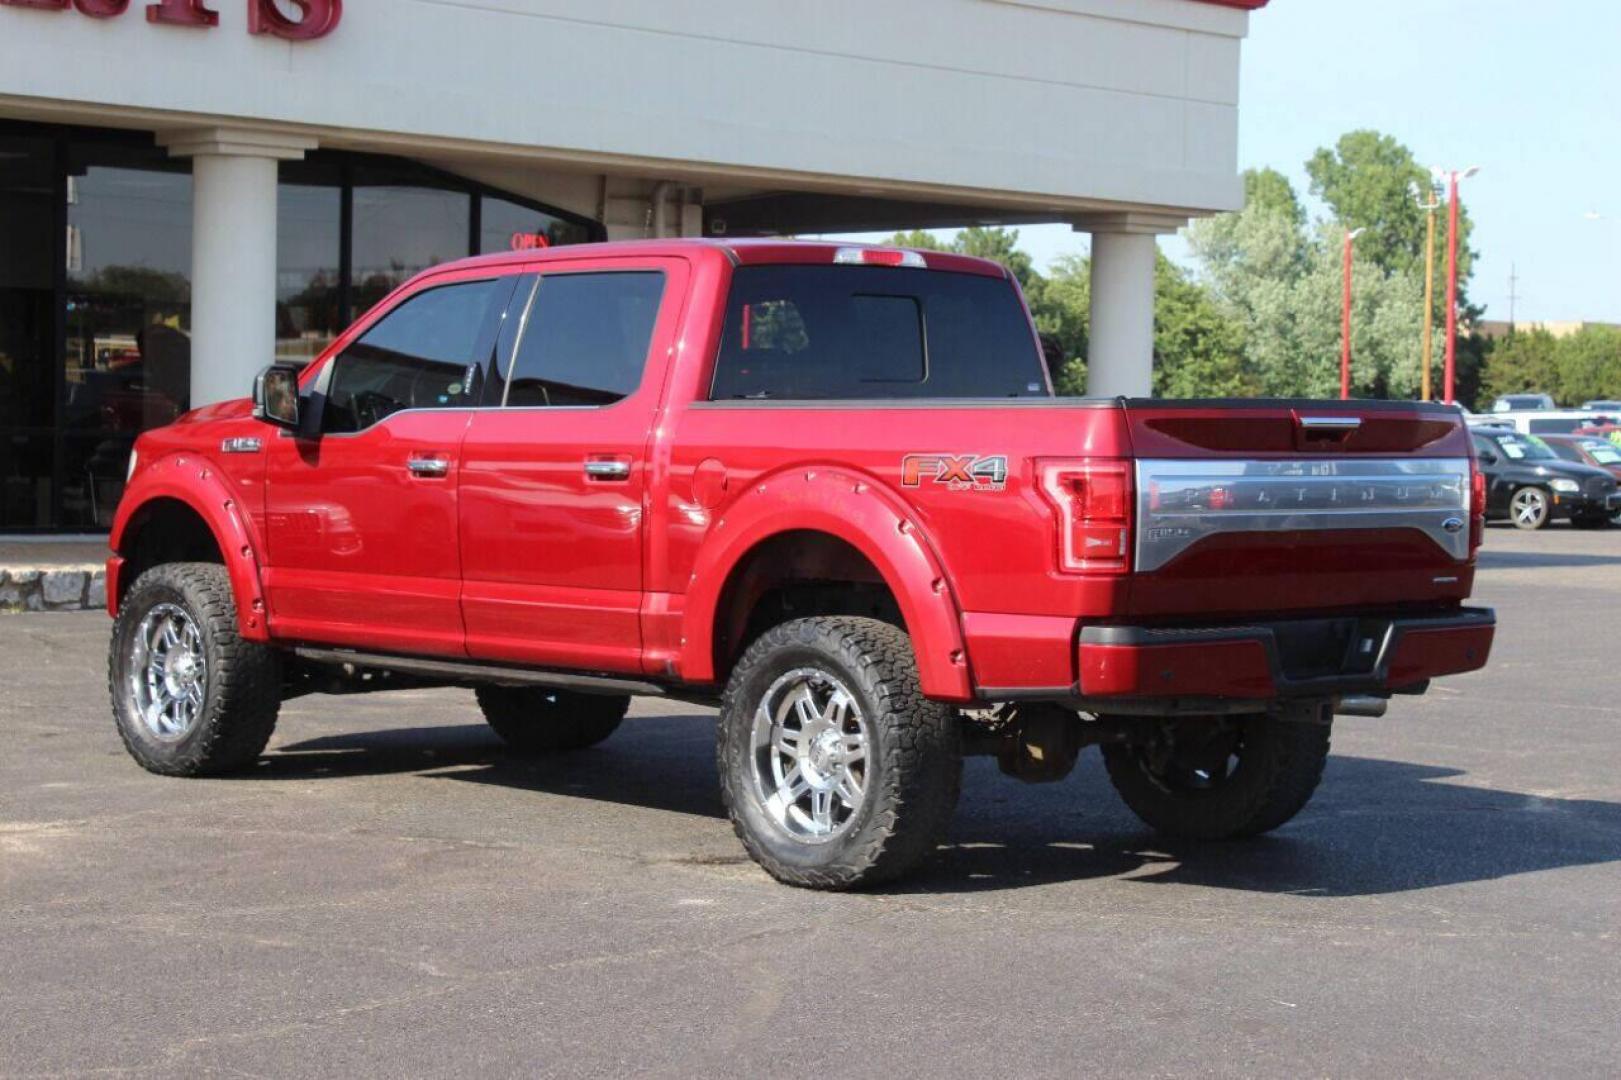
1361	705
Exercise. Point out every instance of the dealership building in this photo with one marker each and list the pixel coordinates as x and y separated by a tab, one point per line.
189	188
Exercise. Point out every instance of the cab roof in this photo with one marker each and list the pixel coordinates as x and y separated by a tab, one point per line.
740	252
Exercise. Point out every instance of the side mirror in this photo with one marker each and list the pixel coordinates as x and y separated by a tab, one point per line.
275	395
1488	458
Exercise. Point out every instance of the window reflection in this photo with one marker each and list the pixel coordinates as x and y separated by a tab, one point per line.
309	296
128	355
95	326
27	296
401	228
509	226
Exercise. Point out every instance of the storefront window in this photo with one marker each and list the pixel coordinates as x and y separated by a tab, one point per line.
27	469
402	227
127	357
129	290
507	226
95	325
309	245
27	298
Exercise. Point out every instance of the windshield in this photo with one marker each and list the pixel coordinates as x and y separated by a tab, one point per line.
1603	452
1522	447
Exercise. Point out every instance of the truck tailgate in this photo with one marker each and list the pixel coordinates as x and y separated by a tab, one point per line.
1271	507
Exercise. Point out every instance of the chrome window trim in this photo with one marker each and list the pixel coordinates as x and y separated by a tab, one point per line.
1383	490
517	342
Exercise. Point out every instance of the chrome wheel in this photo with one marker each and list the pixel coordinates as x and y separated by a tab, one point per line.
1529	508
168	672
810	745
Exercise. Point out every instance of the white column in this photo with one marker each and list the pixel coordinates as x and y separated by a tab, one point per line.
1120	354
233	254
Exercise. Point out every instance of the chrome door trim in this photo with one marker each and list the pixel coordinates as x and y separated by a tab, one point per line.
429	467
608	470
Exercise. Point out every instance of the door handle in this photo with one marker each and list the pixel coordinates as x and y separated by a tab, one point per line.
429	467
607	469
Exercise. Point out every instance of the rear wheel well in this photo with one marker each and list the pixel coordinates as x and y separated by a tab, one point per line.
165	531
795	575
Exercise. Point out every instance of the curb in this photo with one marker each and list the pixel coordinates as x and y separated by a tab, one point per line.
53	588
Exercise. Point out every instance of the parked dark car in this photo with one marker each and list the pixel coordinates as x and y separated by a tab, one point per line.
1530	485
1586	449
1592	450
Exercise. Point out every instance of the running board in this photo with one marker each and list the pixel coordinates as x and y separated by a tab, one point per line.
476	672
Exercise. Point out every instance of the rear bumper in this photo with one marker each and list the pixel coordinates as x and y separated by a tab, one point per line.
1267	661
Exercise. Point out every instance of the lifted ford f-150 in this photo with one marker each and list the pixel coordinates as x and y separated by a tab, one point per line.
827	488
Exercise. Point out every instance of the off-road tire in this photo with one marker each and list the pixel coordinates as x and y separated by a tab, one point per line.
243	689
914	761
1280	763
538	720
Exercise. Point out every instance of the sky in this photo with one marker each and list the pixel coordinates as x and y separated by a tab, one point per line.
1533	96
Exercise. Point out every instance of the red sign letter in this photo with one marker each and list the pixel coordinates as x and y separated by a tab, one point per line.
317	18
101	9
182	13
48	5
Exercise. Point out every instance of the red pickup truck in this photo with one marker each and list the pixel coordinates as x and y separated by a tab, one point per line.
826	488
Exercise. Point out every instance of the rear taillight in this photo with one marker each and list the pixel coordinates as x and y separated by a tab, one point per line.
1091	501
1477	505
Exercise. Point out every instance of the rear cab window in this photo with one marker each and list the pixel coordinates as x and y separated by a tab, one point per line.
809	333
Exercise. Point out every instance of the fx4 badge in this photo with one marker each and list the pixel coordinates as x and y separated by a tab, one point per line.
958	472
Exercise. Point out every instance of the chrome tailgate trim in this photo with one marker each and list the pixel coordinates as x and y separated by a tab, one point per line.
1182	502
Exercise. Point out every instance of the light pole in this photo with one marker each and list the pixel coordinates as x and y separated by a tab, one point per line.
1452	177
1345	319
1429	203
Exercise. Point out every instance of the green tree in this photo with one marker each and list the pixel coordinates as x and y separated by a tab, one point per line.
1527	360
1253	262
1198	351
1589	363
154	286
918	238
1283	287
1368	180
1062	308
1269	191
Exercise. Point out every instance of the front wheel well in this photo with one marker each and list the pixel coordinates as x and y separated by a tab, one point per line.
165	531
796	575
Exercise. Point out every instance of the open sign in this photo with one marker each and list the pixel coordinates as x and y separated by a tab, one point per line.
530	241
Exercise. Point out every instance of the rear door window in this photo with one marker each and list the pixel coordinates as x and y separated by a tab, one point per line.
583	340
860	332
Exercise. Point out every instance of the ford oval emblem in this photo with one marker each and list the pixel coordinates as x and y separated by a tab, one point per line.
1453	524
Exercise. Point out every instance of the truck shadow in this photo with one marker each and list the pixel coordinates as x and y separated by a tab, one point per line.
1375	827
1488	559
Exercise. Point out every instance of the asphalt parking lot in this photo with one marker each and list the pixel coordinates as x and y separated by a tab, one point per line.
390	894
